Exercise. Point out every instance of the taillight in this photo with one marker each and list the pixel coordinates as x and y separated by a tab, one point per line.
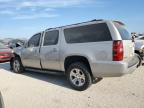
118	50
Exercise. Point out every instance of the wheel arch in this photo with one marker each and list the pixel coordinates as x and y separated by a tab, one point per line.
77	58
14	55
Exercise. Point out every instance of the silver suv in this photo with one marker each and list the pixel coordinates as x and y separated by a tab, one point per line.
83	51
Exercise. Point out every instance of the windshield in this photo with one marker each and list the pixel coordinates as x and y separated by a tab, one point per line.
123	32
2	45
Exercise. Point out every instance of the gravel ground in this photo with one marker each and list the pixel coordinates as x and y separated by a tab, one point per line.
36	90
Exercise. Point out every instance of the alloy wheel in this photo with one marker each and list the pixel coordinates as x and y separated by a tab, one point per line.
77	77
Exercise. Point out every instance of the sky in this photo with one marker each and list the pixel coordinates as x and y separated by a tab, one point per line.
24	18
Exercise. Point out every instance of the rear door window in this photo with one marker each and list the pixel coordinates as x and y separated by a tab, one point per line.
51	37
89	33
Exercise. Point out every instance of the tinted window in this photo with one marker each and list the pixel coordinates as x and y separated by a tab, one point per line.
51	37
123	32
34	41
89	33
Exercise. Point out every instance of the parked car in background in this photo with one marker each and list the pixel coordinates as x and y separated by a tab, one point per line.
140	38
84	52
16	43
5	53
139	47
13	43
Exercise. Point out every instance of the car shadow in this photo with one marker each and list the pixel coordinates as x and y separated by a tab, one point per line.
56	78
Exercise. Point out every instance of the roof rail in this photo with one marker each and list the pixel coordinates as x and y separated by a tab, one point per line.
97	20
49	28
77	23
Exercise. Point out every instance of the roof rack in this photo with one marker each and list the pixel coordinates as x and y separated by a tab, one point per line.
76	23
97	20
49	28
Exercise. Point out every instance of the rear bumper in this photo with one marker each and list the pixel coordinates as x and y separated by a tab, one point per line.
113	68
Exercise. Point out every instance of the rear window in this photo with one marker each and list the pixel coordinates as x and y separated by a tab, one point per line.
123	32
88	33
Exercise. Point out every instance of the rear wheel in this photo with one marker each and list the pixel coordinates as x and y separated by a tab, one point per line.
17	65
79	76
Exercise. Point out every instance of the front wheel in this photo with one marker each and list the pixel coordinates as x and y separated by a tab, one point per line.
17	65
79	76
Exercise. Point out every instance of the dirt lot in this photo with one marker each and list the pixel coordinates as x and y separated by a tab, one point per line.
36	90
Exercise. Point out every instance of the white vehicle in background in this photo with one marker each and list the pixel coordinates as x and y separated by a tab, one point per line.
139	47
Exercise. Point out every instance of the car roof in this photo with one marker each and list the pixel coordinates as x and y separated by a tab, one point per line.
87	22
95	20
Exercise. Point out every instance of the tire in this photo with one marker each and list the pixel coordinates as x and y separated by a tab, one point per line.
140	60
78	76
17	65
11	66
